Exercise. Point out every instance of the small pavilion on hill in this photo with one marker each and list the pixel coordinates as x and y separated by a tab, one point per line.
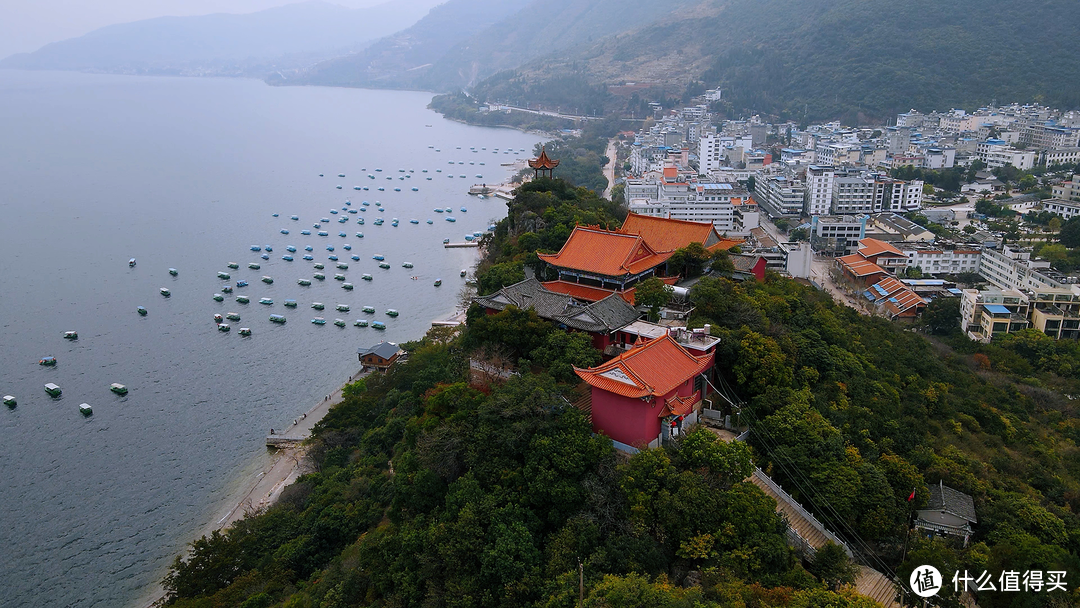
543	164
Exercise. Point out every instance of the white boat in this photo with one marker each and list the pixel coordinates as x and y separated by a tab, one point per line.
131	263
9	401
165	292
85	409
118	388
53	390
71	335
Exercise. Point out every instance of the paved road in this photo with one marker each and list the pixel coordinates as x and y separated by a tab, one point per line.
609	170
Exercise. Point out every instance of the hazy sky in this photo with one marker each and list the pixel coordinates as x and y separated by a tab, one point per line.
27	25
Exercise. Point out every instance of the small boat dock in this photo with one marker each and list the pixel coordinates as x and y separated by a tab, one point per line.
458	245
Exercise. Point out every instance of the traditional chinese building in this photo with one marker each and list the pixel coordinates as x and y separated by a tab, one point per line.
648	393
543	164
948	511
600	319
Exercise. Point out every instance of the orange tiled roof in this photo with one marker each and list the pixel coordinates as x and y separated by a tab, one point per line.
587	293
607	253
543	162
652	369
665	234
859	266
870	247
679	406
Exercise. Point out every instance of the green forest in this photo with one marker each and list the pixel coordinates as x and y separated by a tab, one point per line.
432	490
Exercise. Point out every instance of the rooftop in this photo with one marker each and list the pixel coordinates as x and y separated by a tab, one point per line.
651	369
943	498
604	316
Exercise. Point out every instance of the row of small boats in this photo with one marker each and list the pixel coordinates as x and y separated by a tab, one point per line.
54	390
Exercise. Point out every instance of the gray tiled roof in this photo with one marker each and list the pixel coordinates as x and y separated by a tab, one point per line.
944	498
605	316
382	349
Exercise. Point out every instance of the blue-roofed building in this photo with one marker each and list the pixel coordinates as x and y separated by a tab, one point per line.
985	315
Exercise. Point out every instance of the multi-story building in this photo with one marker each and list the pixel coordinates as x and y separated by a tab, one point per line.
1056	312
837	234
939	158
986	314
943	261
899	139
996	153
1049	136
1061	156
780	195
1014	269
819	189
1066	209
674	197
1069	191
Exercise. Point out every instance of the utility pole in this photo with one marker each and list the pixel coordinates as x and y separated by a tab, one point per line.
581	583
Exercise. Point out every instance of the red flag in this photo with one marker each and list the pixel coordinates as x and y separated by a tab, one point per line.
910	498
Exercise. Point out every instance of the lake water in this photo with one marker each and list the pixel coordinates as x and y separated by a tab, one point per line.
186	173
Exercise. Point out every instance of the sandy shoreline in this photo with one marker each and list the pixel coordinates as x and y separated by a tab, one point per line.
263	482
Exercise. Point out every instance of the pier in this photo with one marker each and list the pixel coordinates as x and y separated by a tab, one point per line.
458	245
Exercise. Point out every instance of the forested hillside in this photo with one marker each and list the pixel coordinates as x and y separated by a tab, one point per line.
824	59
434	491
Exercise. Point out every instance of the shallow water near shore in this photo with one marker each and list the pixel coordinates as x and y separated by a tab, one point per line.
186	173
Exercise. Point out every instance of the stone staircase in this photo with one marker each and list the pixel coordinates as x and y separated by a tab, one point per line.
809	534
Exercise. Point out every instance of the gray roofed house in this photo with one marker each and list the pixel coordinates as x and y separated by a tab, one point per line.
380	356
948	511
603	317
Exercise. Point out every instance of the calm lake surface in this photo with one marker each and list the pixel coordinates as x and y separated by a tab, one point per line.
186	173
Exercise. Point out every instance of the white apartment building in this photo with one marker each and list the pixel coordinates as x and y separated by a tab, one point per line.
714	149
939	158
819	189
899	139
867	193
1066	209
675	198
1069	191
1049	136
944	261
1062	156
837	234
996	155
1014	269
780	195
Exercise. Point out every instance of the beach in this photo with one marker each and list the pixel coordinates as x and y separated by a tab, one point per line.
262	483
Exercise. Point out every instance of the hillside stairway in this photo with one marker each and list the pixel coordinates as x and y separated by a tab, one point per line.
807	534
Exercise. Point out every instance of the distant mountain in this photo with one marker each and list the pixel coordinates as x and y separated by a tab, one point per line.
295	33
814	59
539	29
401	60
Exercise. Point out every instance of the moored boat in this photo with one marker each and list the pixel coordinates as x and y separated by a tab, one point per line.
438	282
254	266
318	266
287	258
131	263
71	335
347	286
85	409
319	276
290	303
366	277
267	280
245	331
407	265
226	289
391	312
339	277
218	318
142	310
243	299
10	401
266	301
173	272
118	388
360	323
378	325
317	305
368	309
277	318
223	327
232	316
342	307
53	389
342	266
339	322
47	361
233	265
224	276
241	283
384	266
319	321
165	292
303	282
378	256
463	273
